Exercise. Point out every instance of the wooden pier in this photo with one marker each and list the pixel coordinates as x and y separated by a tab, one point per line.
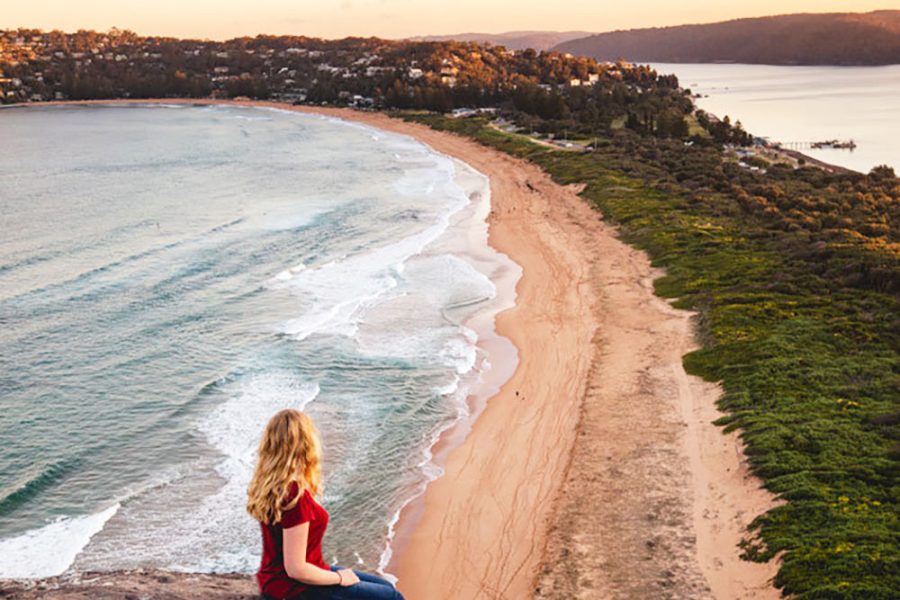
837	144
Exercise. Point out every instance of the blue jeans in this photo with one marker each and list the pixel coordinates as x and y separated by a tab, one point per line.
370	587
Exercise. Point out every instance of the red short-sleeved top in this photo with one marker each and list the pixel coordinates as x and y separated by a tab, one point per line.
272	578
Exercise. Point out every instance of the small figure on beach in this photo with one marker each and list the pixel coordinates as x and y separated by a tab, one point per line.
282	497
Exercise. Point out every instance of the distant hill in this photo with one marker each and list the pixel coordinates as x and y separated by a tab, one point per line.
800	39
512	40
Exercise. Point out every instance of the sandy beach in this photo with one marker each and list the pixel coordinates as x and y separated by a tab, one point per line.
595	472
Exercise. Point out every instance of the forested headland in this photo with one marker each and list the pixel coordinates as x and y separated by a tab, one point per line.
800	39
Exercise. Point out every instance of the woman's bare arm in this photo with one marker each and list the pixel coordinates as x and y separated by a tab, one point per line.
295	559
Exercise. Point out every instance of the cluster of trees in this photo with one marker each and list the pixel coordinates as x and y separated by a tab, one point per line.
844	225
535	89
722	131
165	84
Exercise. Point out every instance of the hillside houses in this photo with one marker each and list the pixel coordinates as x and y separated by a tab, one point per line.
37	66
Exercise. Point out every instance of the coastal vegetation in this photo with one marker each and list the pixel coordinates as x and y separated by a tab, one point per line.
801	39
795	274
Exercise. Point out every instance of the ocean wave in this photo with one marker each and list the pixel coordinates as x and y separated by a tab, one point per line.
116	233
49	550
131	258
447	388
289	273
338	292
234	428
430	471
47	477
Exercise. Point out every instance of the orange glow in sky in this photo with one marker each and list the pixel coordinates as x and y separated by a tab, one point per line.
217	19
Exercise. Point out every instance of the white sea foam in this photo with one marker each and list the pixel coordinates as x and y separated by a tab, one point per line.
447	389
430	472
336	318
228	538
338	293
147	105
245	118
501	274
236	427
461	352
49	550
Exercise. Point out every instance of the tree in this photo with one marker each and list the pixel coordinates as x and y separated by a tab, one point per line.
672	123
882	173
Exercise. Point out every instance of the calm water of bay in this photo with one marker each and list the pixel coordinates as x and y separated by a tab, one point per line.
806	104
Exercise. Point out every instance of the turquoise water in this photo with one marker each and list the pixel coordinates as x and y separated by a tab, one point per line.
172	276
806	104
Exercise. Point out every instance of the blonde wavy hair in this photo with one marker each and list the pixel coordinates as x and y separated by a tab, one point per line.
289	451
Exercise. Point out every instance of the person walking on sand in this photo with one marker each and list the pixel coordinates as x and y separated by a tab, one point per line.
282	497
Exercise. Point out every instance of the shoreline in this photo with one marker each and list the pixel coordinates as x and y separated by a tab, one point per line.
499	357
438	515
589	297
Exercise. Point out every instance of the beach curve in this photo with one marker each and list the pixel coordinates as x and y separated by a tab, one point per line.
518	473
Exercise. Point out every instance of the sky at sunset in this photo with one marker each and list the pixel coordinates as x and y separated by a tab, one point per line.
217	19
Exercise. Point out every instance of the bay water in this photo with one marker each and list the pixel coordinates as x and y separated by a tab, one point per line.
806	104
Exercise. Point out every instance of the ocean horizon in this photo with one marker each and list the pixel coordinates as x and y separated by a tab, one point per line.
173	275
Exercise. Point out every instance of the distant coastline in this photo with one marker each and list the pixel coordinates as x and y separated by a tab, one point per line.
849	39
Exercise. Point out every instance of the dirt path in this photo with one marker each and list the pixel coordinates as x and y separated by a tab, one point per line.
656	498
